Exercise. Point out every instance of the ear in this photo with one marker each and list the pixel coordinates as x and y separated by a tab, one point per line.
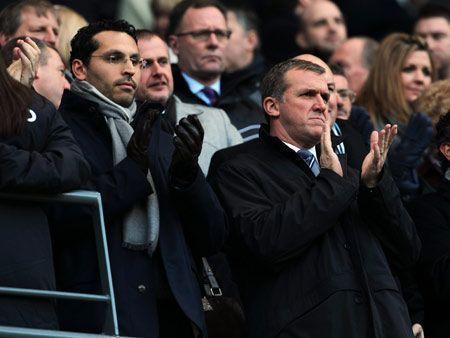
3	39
444	148
252	40
300	40
272	107
79	70
173	43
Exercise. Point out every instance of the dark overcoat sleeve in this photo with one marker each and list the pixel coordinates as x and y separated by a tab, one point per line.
274	232
203	218
434	230
58	166
383	211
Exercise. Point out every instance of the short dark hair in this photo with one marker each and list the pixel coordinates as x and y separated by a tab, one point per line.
8	48
431	10
11	15
369	51
83	43
336	69
145	34
246	18
443	136
274	83
181	8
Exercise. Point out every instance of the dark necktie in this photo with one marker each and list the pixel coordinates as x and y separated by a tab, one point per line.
211	95
310	160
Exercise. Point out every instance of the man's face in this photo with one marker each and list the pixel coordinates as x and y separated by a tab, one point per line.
436	32
303	108
349	57
345	97
201	55
156	75
50	81
114	67
239	46
324	27
44	27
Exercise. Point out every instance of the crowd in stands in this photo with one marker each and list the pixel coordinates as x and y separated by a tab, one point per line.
268	169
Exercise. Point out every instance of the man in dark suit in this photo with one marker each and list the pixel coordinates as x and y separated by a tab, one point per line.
311	238
159	210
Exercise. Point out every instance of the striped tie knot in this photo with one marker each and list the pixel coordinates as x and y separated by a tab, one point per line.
211	95
310	160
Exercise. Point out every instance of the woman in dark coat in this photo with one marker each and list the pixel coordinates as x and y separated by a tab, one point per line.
37	155
431	213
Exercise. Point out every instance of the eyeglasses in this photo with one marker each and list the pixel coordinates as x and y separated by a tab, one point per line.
204	34
119	58
346	94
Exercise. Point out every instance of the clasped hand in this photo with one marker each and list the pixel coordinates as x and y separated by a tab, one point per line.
25	61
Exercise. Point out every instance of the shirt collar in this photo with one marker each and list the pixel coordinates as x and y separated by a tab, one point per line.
196	86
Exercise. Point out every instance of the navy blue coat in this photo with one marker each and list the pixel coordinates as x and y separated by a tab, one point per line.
43	158
192	223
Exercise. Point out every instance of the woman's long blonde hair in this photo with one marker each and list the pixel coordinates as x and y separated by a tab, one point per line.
382	94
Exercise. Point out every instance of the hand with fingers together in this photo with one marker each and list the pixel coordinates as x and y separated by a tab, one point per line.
328	158
375	159
188	142
25	61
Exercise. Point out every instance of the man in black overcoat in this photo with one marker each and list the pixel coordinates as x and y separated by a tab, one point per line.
311	237
160	213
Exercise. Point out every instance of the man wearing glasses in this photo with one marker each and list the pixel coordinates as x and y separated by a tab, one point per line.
159	210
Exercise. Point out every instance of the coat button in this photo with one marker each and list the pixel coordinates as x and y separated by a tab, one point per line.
142	288
346	246
358	300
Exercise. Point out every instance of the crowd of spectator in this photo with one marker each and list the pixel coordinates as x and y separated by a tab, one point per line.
266	168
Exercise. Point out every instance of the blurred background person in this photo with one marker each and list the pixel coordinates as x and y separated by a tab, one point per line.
356	56
244	68
431	214
402	71
322	28
433	25
37	155
72	22
161	12
35	18
49	79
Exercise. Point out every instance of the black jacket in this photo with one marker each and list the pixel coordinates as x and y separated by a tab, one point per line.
240	97
192	224
43	158
310	254
431	213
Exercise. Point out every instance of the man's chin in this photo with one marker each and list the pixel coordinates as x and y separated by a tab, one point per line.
124	100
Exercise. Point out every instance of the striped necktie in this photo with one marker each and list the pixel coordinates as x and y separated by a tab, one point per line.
211	95
310	160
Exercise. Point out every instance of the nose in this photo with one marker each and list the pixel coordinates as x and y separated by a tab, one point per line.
212	40
430	42
50	37
129	68
419	77
156	69
66	84
320	104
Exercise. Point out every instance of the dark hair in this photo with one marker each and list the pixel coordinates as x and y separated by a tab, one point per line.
369	51
16	99
246	18
274	83
145	34
8	48
179	10
11	15
83	43
336	69
443	136
434	10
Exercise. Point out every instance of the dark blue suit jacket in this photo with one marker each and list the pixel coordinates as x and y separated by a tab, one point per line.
192	224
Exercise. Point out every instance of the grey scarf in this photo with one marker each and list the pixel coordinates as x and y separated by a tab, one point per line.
141	224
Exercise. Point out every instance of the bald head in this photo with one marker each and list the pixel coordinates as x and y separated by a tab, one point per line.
355	56
332	103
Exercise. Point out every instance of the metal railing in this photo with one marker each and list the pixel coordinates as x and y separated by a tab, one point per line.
111	328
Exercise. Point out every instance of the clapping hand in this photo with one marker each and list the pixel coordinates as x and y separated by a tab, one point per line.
188	142
328	158
25	61
375	159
